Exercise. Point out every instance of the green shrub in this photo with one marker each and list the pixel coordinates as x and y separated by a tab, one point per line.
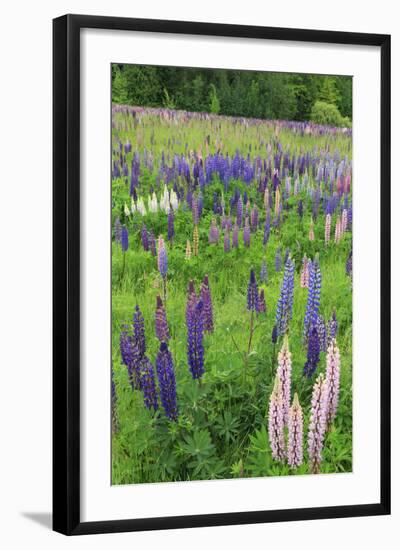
328	114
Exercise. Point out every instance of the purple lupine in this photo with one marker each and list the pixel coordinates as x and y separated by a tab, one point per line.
124	238
274	335
300	208
246	233
152	243
284	308
322	334
317	425
195	211
213	235
161	324
313	351
332	327
332	377
278	259
195	348
284	372
264	272
267	228
239	212
262	308
275	422
114	415
235	236
129	357
145	238
148	384
138	331
252	292
162	260
117	230
205	296
254	218
191	300
305	272
166	379
313	298
295	434
227	241
171	228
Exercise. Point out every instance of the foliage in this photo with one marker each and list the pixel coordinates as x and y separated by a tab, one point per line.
328	114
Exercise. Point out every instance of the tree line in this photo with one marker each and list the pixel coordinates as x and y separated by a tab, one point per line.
289	96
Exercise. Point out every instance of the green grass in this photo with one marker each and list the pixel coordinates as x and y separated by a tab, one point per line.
222	427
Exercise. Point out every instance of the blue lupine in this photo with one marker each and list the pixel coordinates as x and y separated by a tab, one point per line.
284	309
313	351
167	383
148	383
313	298
195	348
252	293
162	260
300	208
131	357
124	239
138	331
205	296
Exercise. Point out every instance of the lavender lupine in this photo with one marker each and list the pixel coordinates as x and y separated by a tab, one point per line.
313	351
227	241
235	236
162	260
252	292
332	327
317	425
166	379
148	384
124	238
313	298
300	208
278	259
264	272
130	357
305	272
284	372
161	324
114	415
284	308
332	378
262	308
152	243
267	228
213	235
144	238
138	331
205	296
239	212
246	233
275	422
322	334
328	228
195	347
295	434
254	218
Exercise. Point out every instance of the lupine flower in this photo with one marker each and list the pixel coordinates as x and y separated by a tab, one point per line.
195	347
284	307
305	272
246	233
235	236
344	220
227	241
162	260
171	228
277	201
117	230
327	228
161	324
313	350
145	238
267	228
138	331
205	296
166	378
195	241
274	335
295	434
278	259
264	272
313	298
262	308
252	292
287	252
130	357
349	264
239	212
311	235
332	378
114	416
331	329
317	425
124	239
148	383
254	218
338	229
300	208
321	329
195	211
275	422
213	235
188	253
152	243
284	372
266	198
127	212
191	300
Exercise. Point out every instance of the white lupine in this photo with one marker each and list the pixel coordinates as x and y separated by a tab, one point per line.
140	207
133	206
174	200
126	210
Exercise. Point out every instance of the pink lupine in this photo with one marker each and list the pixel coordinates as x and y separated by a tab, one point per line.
311	235
338	230
317	426
328	228
275	422
332	377
284	372
295	434
305	273
213	235
344	220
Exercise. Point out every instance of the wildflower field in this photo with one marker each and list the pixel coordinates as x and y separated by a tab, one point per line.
231	297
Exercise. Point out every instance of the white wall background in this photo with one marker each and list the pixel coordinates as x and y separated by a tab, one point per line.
25	299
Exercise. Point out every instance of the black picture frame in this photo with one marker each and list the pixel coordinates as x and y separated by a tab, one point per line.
66	273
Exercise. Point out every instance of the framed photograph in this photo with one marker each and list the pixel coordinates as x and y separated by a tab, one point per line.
221	274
